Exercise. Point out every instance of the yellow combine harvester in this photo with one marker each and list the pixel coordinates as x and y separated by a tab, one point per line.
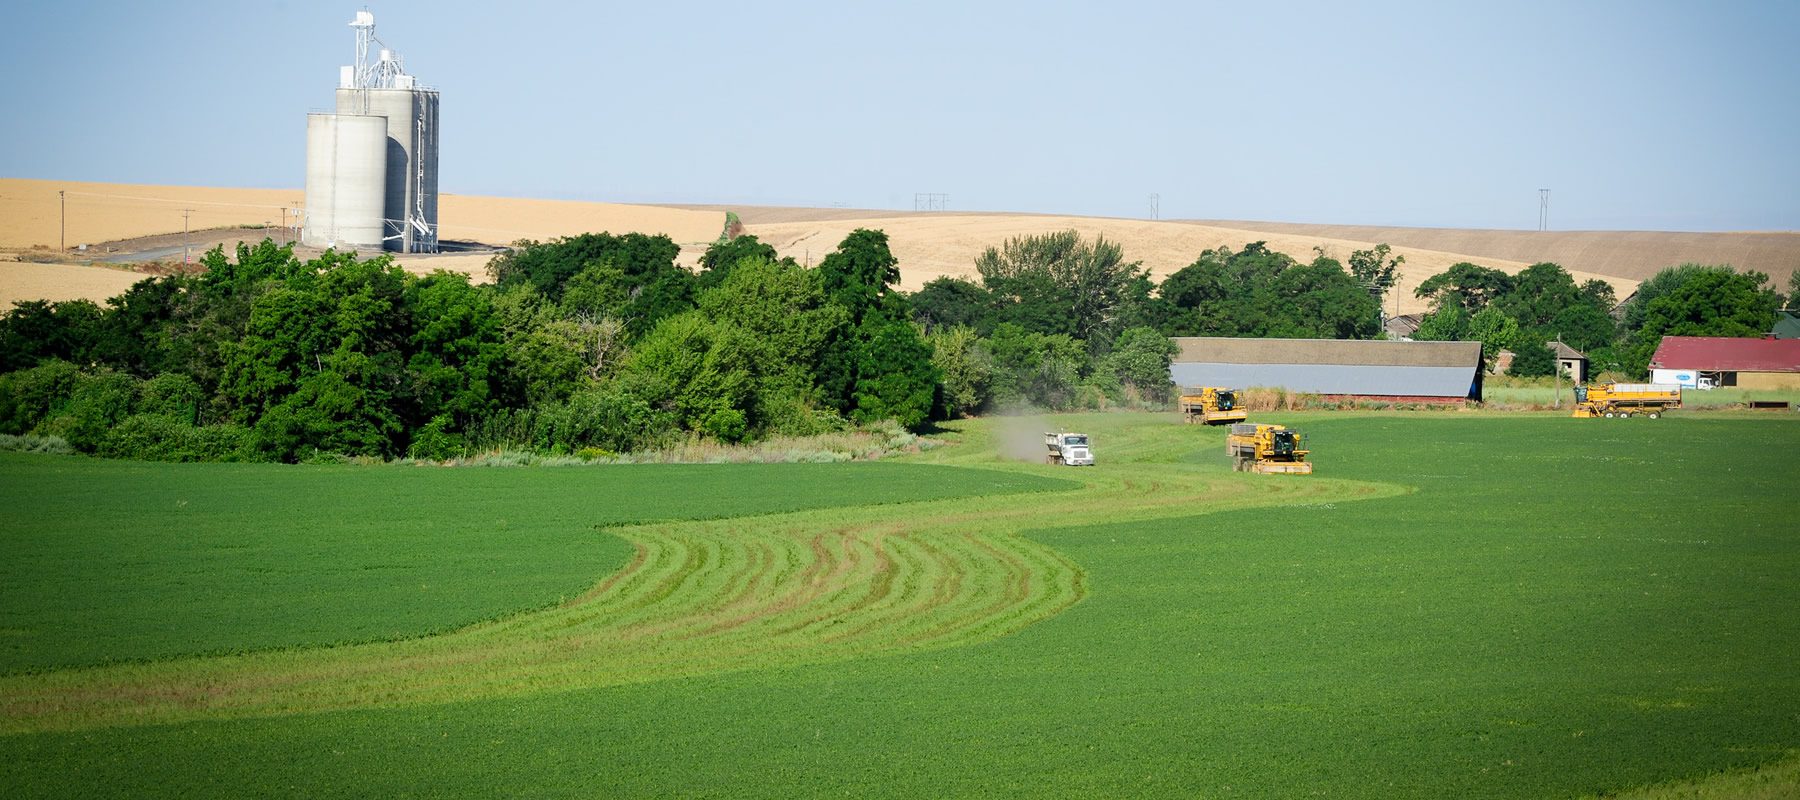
1211	406
1268	449
1626	399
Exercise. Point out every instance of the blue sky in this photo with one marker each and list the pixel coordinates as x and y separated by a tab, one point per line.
1637	115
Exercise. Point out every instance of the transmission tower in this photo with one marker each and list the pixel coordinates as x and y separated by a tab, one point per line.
930	201
1543	209
1155	206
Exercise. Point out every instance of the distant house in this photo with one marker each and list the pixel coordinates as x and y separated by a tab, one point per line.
1572	362
1704	362
1431	372
1402	327
1502	362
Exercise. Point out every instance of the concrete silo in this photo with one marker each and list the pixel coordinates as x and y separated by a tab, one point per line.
379	89
346	181
411	200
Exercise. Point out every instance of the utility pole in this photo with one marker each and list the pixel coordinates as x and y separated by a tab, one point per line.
1556	367
186	253
62	198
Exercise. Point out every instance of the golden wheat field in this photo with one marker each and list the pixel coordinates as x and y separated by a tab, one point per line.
34	217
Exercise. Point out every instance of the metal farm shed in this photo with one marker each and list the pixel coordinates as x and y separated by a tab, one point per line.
1443	372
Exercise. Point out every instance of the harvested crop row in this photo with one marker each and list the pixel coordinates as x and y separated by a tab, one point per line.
699	598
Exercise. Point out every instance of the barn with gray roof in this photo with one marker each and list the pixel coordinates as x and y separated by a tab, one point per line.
1377	370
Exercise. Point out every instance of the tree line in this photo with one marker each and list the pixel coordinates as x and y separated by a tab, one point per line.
602	343
1542	304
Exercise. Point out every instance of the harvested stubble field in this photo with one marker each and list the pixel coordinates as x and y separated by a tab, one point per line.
1457	604
928	245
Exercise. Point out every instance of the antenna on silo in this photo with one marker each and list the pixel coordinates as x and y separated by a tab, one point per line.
1543	209
364	25
386	72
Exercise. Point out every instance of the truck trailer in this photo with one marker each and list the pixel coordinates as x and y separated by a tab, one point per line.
1626	400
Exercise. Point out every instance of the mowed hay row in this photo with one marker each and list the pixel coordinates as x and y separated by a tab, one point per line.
931	246
697	598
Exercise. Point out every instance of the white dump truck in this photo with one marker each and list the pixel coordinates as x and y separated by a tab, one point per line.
1069	449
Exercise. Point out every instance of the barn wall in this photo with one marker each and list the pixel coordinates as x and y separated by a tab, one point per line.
1768	380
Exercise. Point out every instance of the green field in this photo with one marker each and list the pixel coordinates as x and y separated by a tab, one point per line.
1514	392
121	561
1456	604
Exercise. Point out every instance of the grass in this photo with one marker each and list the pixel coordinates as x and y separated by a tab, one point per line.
121	561
1456	604
1541	394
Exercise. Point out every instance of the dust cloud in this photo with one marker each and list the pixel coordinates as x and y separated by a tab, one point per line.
1021	438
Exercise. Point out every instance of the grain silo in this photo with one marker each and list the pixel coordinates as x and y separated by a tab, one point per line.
346	178
380	89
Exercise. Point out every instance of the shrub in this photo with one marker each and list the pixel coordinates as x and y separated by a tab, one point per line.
29	396
159	437
32	443
433	441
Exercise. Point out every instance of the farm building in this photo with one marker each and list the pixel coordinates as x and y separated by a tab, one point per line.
1704	362
1431	372
1403	326
1573	362
1787	324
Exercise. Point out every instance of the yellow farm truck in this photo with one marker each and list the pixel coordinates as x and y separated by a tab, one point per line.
1268	449
1626	400
1210	405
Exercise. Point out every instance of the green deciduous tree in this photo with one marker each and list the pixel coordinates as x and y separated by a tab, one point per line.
858	274
1449	323
1035	368
1494	330
1059	283
1532	359
965	369
1464	284
945	303
1140	360
639	266
1703	302
722	255
1539	292
895	377
1374	269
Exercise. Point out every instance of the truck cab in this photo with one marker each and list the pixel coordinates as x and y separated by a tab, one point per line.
1068	449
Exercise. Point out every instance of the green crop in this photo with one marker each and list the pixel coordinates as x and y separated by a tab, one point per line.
1454	604
122	561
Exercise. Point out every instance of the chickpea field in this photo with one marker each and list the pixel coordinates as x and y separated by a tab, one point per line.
1455	604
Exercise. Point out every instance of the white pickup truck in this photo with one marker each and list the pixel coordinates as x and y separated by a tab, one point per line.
1069	449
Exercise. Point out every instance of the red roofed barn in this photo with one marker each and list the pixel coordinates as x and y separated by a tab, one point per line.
1703	362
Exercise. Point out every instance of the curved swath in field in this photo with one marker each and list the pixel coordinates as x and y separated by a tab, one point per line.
698	598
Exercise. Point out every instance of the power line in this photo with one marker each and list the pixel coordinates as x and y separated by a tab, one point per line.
181	202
